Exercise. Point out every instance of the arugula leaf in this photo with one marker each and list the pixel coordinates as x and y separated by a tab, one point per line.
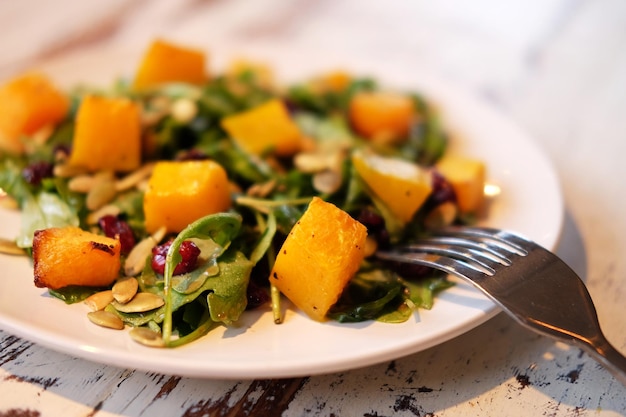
43	211
370	295
74	293
423	291
221	228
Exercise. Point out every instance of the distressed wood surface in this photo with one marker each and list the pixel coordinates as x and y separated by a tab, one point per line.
557	68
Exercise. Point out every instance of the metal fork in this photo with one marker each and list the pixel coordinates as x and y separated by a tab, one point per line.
529	283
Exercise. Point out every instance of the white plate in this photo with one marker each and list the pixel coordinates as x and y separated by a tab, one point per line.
530	203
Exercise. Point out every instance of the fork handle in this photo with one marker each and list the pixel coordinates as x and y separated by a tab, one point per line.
610	357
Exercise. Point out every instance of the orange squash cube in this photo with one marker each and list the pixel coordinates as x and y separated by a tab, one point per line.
321	254
107	135
467	177
401	185
165	62
265	128
27	104
65	256
382	116
179	193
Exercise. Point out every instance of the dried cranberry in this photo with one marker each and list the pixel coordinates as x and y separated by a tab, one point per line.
410	271
375	226
188	250
442	191
257	295
370	219
36	172
113	226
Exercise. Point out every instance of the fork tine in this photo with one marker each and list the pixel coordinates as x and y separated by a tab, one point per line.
493	238
461	268
473	248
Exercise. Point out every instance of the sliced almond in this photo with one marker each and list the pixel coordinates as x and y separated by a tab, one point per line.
82	183
99	300
106	319
184	110
42	135
370	246
261	190
311	161
142	302
136	259
100	194
67	170
441	216
125	289
327	182
108	209
135	178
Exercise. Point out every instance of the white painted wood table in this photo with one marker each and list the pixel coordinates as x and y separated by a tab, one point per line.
557	68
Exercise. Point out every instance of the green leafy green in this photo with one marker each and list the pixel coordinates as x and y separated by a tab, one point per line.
43	211
74	293
229	285
369	295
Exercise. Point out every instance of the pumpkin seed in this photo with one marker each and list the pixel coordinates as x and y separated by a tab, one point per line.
147	337
9	247
106	319
99	300
141	302
125	289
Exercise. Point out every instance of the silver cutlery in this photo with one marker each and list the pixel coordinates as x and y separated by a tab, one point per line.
529	283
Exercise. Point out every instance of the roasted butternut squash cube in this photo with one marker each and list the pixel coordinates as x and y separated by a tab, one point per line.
65	256
382	116
107	135
179	193
321	254
401	185
27	104
265	128
467	177
165	62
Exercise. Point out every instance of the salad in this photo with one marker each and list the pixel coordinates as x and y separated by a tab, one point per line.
175	201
